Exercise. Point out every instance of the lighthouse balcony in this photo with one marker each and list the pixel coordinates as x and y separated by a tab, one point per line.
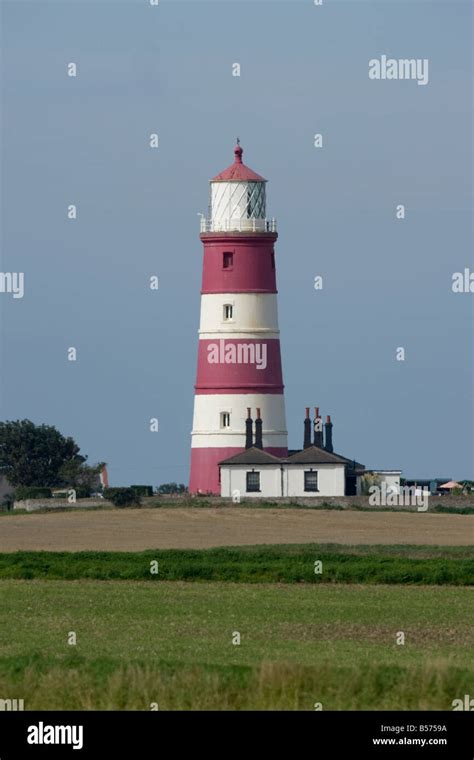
238	225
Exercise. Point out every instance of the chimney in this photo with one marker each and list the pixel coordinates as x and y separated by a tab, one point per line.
318	428
307	430
258	431
328	426
248	430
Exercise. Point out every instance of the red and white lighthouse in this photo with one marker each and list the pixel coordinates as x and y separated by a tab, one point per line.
239	362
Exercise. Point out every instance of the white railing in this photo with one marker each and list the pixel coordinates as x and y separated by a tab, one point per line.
238	225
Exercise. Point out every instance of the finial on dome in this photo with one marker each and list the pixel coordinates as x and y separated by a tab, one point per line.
238	152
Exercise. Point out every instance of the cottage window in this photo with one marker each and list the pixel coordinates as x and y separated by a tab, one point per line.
311	480
253	481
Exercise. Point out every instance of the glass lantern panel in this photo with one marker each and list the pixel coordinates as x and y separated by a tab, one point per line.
256	200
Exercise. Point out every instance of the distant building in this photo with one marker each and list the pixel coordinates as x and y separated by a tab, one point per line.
391	478
104	477
434	485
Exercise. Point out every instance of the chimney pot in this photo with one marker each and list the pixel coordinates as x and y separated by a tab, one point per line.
258	431
328	426
248	430
318	434
307	430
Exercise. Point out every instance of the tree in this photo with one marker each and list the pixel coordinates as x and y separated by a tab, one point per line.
75	473
368	480
32	455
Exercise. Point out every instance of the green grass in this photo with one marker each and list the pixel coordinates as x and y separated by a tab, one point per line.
305	638
171	643
256	564
444	509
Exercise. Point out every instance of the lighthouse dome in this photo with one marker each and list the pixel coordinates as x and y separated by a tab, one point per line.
237	199
238	171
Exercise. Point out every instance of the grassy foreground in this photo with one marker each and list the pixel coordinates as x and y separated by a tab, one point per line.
255	564
172	644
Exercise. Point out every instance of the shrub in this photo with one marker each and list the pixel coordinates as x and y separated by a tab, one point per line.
82	492
122	497
32	492
143	490
167	488
7	503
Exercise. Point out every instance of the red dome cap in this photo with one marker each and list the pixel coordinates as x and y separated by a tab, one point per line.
237	171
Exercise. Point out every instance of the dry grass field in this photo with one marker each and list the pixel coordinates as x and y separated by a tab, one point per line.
181	528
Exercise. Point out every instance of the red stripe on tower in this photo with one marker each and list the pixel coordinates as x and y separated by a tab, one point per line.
239	360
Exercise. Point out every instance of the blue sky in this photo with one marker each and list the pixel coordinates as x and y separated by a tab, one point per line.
387	283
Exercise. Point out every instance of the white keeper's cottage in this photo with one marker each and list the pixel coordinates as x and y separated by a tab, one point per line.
315	470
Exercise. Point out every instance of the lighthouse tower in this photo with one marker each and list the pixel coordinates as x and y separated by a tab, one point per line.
239	363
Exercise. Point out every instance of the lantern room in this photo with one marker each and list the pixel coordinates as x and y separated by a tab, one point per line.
237	200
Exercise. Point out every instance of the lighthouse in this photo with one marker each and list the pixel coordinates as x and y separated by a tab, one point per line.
239	375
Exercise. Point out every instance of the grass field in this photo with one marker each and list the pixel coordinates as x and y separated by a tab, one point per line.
171	643
257	564
167	638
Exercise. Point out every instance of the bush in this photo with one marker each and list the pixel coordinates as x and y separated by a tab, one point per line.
167	488
7	503
122	497
63	493
143	490
82	492
32	492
